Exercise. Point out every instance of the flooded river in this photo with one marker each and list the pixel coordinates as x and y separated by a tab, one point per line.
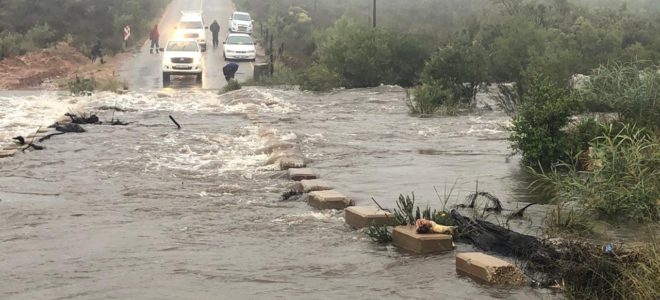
146	211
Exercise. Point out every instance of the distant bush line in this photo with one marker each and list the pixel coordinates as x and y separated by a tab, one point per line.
458	47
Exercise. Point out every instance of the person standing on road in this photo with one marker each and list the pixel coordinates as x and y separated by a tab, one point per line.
97	52
229	70
215	29
153	36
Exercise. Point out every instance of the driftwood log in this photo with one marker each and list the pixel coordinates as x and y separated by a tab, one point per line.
547	262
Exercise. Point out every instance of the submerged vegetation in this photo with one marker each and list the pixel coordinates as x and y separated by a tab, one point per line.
232	85
84	86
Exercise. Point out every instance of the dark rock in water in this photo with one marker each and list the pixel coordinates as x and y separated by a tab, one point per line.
50	136
19	139
291	195
115	108
69	127
83	118
116	122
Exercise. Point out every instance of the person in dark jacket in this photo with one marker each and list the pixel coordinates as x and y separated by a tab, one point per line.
97	52
215	29
230	70
154	35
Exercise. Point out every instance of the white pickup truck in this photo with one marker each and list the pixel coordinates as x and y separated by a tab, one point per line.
182	57
191	26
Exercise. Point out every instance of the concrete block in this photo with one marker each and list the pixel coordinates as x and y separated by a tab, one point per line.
7	153
328	200
406	237
292	162
299	174
314	185
488	269
363	216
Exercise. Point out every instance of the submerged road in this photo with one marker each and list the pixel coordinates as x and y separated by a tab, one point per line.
143	71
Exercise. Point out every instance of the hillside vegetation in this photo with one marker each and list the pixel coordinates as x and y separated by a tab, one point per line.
29	25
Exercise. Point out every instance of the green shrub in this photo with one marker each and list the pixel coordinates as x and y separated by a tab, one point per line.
81	86
624	182
630	90
282	75
41	36
578	138
366	57
407	213
112	84
379	234
11	44
537	126
232	85
318	78
459	66
429	98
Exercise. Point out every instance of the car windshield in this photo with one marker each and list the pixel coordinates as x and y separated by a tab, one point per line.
191	25
182	46
242	17
239	40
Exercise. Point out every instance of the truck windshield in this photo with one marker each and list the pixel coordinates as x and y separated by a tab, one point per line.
242	17
191	25
182	46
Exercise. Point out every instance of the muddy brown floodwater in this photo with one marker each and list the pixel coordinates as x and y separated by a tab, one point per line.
146	211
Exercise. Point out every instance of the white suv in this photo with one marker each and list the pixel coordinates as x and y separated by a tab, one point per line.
239	46
182	57
240	22
191	26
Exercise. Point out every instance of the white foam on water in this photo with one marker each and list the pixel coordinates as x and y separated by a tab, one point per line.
178	101
326	216
216	154
257	100
22	115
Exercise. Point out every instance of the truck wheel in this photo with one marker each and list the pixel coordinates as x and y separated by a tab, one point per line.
166	79
199	78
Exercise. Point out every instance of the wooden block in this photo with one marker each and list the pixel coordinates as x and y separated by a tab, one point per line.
291	162
7	153
299	174
314	185
488	269
328	200
363	216
406	237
